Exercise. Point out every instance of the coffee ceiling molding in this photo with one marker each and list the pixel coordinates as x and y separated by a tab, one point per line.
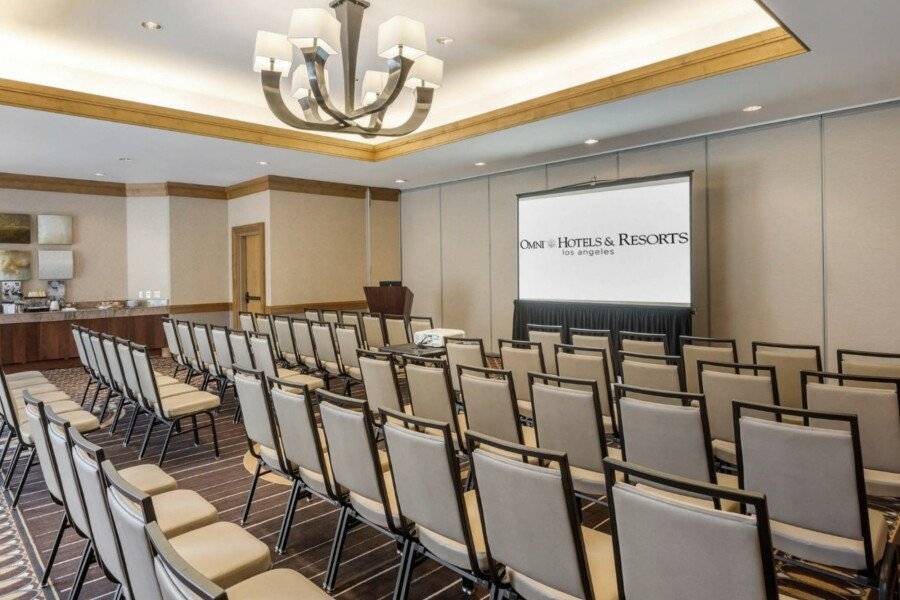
740	53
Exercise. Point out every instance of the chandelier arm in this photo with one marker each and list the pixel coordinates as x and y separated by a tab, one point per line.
271	84
315	68
424	97
397	74
311	111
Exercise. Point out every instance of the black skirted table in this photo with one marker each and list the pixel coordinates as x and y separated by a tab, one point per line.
670	320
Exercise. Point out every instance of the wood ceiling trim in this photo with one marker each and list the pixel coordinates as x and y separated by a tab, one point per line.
195	190
39	183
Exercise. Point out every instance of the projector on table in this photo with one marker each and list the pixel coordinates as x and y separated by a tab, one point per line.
435	338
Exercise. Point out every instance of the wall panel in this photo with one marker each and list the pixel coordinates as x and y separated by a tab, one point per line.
149	265
420	218
199	251
384	229
581	171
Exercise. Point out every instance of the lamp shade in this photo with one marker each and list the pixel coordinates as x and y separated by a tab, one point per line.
373	84
300	82
315	27
273	52
427	71
401	36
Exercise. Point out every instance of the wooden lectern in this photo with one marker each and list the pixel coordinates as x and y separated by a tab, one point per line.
389	299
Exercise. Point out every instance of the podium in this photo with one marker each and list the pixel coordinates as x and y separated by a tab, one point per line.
389	299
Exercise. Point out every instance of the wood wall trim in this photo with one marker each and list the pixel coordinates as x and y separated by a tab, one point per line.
39	183
736	54
146	190
196	190
334	305
207	307
384	194
280	183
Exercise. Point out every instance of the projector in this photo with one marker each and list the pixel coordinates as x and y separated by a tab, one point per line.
434	338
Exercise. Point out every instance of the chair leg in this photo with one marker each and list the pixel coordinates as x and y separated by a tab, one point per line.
196	431
496	592
134	416
212	425
150	426
237	413
252	491
347	385
6	445
86	388
86	559
105	405
165	448
337	548
116	416
404	575
94	399
12	466
288	520
50	559
31	457
120	593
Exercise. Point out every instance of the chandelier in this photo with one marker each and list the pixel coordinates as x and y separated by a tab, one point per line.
318	34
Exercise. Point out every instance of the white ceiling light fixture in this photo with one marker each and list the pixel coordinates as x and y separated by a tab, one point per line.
591	141
262	163
319	35
444	40
752	108
99	174
151	25
124	159
480	163
399	181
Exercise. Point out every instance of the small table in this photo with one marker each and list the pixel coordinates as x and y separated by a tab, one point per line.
414	350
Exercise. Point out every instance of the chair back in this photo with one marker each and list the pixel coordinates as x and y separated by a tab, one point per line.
654	371
520	359
186	339
146	379
373	328
330	316
643	343
530	520
877	409
788	360
431	393
114	363
348	342
172	341
222	345
98	352
259	417
246	321
694	349
241	354
464	351
94	366
548	336
873	364
312	314
263	354
396	329
573	362
263	323
380	380
79	347
176	578
306	349
350	317
568	418
490	403
595	339
36	417
323	338
417	324
695	551
57	438
747	383
284	338
205	354
126	361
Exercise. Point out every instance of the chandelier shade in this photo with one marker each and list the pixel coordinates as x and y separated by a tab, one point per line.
315	28
401	36
273	52
373	83
427	71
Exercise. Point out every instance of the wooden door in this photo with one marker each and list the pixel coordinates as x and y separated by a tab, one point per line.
248	253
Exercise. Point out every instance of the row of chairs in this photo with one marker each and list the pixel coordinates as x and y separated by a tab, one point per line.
150	538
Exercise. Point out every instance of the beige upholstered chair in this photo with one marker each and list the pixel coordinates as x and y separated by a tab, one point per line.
380	380
417	324
263	353
356	467
547	336
490	405
694	349
330	316
531	524
431	394
643	343
669	550
876	403
105	368
745	382
82	358
351	317
520	359
326	350
464	351
396	328
206	355
373	328
173	344
284	340
348	341
305	349
117	374
425	472
654	371
262	323
875	364
246	321
592	339
788	360
669	434
87	337
312	314
568	417
185	331
178	580
574	362
813	480
241	354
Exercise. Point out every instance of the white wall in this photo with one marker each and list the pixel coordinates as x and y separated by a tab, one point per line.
148	245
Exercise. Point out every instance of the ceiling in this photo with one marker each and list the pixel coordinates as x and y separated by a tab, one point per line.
854	60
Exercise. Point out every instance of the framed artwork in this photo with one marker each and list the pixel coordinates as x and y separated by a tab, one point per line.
54	229
15	228
55	264
15	265
11	290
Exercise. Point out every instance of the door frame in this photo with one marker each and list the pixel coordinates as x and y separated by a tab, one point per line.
237	233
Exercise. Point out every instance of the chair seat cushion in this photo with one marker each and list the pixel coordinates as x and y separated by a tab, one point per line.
81	420
165	380
38	388
10	377
332	367
354	372
60	407
725	451
48	398
525	408
373	510
176	389
313	383
223	553
180	511
190	403
453	551
16	384
277	584
830	549
150	479
882	484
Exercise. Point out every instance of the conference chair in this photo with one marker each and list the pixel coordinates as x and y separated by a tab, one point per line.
83	359
206	358
595	339
331	316
379	377
241	354
490	405
222	551
173	344
694	349
326	351
396	329
356	467
312	314
683	450
285	346
521	358
723	383
876	403
86	335
425	472
874	364
351	317
654	371
464	351
547	336
813	480
669	550
431	395
304	347
417	324
263	359
531	523
246	321
178	580
262	323
643	343
348	342
219	334
106	373
568	417
788	360
172	409
373	330
118	384
574	362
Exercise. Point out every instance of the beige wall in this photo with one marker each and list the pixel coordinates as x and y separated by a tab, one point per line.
248	210
99	246
801	243
384	241
148	246
199	240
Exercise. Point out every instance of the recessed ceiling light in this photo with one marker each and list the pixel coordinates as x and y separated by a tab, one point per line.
262	163
591	141
444	40
99	174
124	159
151	25
399	181
480	163
752	108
